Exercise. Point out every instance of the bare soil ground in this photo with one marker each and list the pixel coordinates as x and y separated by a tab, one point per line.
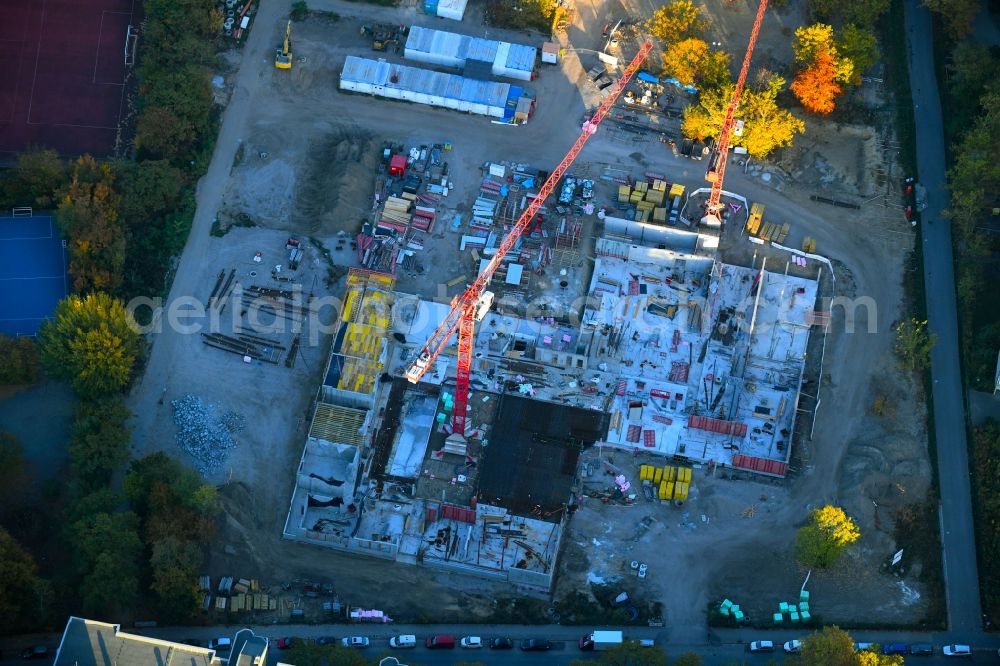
321	149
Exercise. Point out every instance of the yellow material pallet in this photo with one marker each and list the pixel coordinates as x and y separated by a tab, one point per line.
783	232
645	472
676	190
641	187
636	197
768	232
660	214
624	192
645	205
809	244
657	475
753	225
681	491
666	490
684	474
669	473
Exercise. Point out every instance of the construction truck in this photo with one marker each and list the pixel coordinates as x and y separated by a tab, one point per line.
383	35
283	55
600	640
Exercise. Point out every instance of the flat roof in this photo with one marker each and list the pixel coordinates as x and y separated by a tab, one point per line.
532	454
91	643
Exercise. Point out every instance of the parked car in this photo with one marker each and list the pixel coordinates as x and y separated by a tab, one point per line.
35	652
922	649
220	644
501	643
762	646
895	648
360	642
792	647
440	642
326	640
284	643
957	650
535	645
403	641
860	647
471	642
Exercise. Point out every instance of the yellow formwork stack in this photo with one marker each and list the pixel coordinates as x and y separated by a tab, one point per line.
671	483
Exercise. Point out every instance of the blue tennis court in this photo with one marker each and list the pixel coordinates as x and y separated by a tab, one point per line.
32	273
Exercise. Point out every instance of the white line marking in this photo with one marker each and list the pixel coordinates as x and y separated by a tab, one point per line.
38	52
97	54
20	63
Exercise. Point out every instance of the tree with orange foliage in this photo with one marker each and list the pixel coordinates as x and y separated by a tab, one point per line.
816	86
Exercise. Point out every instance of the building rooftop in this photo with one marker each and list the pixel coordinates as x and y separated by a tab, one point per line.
531	455
91	643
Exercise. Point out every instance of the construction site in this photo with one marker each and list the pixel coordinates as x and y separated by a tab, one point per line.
537	366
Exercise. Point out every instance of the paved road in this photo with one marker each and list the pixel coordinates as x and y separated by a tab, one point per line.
961	576
722	647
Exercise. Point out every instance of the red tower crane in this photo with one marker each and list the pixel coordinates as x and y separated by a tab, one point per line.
717	162
475	302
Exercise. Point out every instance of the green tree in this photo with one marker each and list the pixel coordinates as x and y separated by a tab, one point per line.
831	646
859	12
691	62
875	658
160	134
88	218
822	541
90	343
914	343
766	125
19	584
175	565
150	189
108	552
629	653
972	66
171	499
688	659
860	47
307	653
99	440
957	15
34	180
815	39
20	360
13	472
677	21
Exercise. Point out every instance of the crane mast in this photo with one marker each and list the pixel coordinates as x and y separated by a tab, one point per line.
474	303
717	162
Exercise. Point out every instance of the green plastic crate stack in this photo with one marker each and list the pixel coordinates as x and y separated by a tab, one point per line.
725	606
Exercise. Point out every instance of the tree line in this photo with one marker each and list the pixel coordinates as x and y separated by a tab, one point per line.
831	55
131	533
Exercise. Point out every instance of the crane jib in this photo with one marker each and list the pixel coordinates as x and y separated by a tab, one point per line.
463	308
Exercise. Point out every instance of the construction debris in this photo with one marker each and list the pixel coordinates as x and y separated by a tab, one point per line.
204	433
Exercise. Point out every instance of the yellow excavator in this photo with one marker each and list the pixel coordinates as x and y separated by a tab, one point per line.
283	56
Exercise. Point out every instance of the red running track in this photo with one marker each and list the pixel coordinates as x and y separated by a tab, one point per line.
62	71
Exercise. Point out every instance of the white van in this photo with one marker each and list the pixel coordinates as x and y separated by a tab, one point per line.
404	641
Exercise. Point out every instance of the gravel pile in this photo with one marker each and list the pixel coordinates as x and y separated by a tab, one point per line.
204	433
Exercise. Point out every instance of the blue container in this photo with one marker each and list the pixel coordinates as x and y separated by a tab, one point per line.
431	7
